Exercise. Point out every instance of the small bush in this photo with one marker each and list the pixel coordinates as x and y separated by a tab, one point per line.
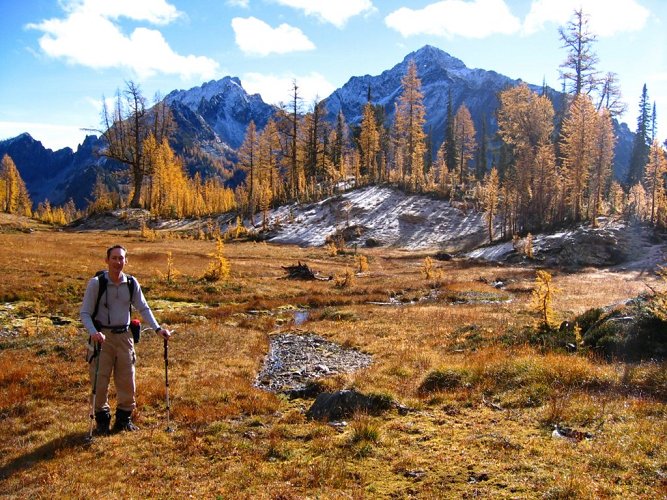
552	338
366	429
346	280
589	318
441	380
362	263
219	267
333	314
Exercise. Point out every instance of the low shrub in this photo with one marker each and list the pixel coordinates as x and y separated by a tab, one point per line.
441	380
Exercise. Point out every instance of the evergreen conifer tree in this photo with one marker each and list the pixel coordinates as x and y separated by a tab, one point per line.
641	143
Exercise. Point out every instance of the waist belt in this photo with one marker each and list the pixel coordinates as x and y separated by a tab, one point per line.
116	329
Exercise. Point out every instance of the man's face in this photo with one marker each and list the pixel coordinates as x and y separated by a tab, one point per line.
116	260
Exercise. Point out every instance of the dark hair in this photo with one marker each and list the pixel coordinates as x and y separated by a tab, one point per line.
109	250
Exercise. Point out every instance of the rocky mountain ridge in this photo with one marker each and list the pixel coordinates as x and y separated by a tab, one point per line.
212	119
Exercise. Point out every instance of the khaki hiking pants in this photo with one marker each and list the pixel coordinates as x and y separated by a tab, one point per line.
118	357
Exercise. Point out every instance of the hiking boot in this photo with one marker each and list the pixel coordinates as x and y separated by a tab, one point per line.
102	420
124	422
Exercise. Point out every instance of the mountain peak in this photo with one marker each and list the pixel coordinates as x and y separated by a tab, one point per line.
430	54
206	92
221	107
25	137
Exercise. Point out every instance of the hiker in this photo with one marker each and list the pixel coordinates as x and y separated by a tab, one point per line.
106	316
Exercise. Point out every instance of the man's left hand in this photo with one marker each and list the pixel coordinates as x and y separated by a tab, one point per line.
164	333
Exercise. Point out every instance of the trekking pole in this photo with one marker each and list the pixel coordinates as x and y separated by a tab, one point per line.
96	354
166	381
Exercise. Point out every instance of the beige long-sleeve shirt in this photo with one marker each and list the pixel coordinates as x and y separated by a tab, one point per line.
114	308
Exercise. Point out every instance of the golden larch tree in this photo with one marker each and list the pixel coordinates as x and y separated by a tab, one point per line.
168	188
490	194
269	160
14	197
578	138
654	179
543	295
464	141
369	144
248	163
410	138
525	124
601	168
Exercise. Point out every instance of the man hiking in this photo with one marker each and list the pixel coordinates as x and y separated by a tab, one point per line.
105	313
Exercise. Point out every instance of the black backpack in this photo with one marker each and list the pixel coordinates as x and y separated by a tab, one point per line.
102	278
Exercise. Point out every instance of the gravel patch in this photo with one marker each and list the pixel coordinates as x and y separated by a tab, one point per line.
295	360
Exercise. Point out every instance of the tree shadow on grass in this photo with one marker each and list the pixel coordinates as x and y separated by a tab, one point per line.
45	452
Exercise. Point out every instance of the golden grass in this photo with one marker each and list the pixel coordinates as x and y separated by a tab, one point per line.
485	431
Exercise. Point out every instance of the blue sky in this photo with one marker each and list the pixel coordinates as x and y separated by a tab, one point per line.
61	58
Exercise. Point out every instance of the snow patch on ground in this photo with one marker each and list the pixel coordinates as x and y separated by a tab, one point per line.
384	216
494	252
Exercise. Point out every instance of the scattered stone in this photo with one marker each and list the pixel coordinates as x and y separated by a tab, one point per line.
414	474
491	404
339	425
562	432
60	321
477	477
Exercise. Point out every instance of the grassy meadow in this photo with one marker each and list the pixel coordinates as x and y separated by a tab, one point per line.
482	401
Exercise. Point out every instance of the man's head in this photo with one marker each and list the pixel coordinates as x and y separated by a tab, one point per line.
116	258
111	249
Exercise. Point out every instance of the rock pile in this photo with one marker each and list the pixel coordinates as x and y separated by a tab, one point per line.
295	360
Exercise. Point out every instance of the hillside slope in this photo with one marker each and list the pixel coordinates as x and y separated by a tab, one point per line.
380	216
384	216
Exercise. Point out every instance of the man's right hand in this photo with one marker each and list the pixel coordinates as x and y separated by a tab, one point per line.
98	337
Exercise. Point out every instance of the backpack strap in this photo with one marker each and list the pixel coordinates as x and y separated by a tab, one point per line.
131	285
102	287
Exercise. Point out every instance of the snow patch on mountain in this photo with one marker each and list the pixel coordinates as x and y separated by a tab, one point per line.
207	91
222	106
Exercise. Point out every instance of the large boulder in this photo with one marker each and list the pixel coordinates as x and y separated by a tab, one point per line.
633	331
344	404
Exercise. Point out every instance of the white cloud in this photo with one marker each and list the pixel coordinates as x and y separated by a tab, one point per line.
336	13
89	36
239	3
607	17
153	11
254	36
448	18
275	89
